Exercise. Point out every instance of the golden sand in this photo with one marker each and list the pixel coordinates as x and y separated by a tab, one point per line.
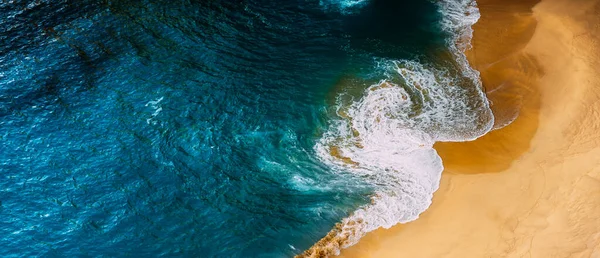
532	188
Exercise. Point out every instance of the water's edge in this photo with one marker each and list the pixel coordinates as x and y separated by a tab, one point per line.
376	138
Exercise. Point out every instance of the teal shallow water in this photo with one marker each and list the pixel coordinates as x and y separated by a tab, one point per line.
183	128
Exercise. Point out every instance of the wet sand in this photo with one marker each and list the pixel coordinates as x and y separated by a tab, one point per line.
532	188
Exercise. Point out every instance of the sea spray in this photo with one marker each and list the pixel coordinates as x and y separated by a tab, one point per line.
387	136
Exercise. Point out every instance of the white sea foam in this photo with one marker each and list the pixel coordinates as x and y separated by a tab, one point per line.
387	136
155	104
344	6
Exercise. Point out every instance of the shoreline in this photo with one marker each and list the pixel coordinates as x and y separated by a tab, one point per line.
531	188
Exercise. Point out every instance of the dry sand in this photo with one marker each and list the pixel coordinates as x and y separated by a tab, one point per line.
532	188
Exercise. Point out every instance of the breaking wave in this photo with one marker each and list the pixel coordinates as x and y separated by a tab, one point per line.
387	136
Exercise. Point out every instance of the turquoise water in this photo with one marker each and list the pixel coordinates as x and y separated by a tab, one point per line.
184	128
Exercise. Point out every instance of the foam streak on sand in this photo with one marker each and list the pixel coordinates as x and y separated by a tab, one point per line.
387	136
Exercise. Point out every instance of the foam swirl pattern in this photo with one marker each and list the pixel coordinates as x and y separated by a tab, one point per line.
387	135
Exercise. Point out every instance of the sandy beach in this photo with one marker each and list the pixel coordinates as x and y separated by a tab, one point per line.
530	188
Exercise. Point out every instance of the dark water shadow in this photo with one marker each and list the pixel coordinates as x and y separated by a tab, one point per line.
395	29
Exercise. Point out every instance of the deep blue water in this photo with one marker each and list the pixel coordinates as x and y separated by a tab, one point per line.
182	128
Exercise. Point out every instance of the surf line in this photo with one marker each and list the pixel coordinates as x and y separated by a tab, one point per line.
387	136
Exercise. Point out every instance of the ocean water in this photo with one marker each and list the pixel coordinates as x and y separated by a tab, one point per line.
224	128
